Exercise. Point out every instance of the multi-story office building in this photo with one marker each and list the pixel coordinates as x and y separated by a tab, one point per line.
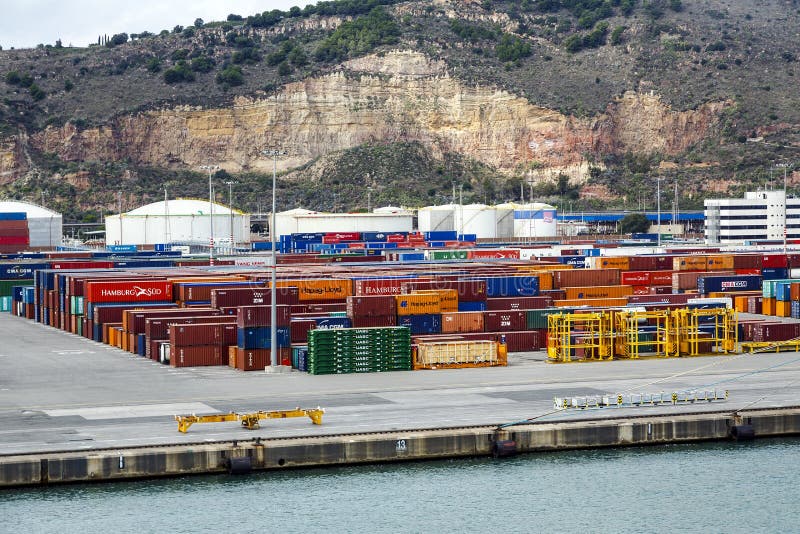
760	215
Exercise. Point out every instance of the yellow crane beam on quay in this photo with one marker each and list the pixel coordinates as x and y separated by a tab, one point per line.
249	420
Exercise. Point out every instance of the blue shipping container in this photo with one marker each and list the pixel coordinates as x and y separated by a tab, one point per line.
441	235
576	261
795	309
121	248
718	284
13	216
260	337
411	256
775	274
511	286
421	324
11	271
471	306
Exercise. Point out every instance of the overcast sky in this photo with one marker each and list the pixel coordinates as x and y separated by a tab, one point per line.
26	23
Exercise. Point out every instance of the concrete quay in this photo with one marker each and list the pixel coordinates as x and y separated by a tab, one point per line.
72	410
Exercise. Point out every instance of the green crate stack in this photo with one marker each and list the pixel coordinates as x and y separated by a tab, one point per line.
359	350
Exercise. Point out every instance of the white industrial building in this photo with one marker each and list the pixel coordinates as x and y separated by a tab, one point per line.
45	227
760	215
302	221
503	221
180	220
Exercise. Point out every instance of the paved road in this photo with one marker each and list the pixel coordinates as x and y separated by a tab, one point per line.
63	392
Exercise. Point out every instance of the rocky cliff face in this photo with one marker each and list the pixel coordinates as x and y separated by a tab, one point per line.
401	95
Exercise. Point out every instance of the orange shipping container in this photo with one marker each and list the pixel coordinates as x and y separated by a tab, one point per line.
462	322
794	291
585	277
719	262
598	292
689	263
614	262
320	289
783	308
417	304
594	303
768	306
448	298
545	281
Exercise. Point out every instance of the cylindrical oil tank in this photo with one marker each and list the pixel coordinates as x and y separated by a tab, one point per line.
478	219
534	219
437	218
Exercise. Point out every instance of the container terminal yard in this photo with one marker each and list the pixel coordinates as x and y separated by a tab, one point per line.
142	361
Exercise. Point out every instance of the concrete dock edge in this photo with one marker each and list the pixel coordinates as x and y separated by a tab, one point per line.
264	454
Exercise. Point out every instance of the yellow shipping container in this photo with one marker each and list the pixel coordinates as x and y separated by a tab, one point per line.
417	304
448	298
458	354
783	308
598	292
545	281
719	262
613	262
320	289
689	263
594	303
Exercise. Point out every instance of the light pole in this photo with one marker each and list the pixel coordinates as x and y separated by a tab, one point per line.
658	210
230	184
369	200
211	170
273	349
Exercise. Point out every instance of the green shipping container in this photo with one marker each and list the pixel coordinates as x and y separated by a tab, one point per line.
6	285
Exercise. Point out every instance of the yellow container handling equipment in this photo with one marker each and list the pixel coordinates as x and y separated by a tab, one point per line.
249	420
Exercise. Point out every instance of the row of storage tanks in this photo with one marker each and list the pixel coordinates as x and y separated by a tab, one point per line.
500	301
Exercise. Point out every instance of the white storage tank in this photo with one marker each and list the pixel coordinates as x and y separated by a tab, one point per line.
478	219
179	220
437	218
286	221
45	227
534	219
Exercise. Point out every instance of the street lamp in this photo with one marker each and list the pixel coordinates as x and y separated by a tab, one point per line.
230	184
785	205
273	349
211	170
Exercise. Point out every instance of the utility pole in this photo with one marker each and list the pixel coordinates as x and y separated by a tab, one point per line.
658	209
369	199
119	210
211	169
230	184
273	346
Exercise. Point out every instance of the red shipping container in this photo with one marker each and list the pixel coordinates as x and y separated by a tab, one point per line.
375	306
755	305
158	328
299	329
395	238
775	331
641	290
112	314
660	290
14	240
134	321
492	254
663	263
325	307
661	278
672	298
141	291
383	286
261	315
74	265
504	321
330	240
458	322
196	356
642	263
635	278
793	259
187	335
246	296
343	236
586	277
373	321
526	341
259	359
775	261
748	272
518	303
747	261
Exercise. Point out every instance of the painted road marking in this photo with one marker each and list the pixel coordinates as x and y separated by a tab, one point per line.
134	410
